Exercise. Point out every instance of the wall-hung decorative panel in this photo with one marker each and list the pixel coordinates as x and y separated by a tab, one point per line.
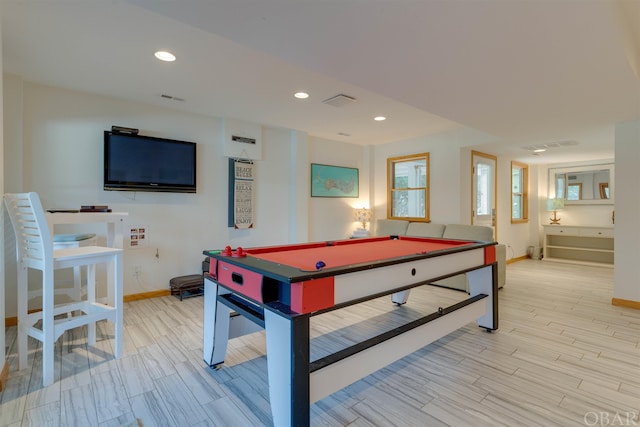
241	193
333	181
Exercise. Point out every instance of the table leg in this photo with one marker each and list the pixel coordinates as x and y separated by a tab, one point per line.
119	304
115	239
400	297
216	325
485	281
288	368
115	234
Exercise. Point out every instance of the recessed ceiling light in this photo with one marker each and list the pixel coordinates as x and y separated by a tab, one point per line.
163	55
301	95
379	118
539	148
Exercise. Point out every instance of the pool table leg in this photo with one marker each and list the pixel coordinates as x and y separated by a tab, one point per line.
216	325
485	281
288	368
400	297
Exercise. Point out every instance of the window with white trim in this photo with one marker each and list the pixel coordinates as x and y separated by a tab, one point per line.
519	192
408	187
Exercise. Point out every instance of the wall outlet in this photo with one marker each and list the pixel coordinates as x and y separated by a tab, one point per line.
137	271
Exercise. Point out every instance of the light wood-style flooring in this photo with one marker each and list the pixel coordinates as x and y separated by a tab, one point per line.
563	356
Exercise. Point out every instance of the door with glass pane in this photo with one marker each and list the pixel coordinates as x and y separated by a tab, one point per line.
483	193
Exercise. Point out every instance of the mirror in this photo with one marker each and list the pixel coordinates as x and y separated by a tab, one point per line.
592	184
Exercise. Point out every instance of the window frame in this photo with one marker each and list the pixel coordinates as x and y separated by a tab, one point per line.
575	185
524	194
391	161
603	187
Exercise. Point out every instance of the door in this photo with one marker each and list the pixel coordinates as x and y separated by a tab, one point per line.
483	194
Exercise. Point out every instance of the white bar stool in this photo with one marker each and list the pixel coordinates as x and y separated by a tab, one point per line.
34	250
77	240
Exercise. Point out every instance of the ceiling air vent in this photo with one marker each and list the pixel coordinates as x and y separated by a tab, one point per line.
551	145
340	100
175	98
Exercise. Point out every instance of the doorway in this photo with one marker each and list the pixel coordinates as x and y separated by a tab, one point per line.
483	191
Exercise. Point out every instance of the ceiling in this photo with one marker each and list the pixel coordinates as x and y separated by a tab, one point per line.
510	73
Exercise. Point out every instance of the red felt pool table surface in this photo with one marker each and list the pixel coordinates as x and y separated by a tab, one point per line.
353	251
267	287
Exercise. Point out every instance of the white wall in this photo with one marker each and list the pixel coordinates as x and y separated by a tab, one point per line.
450	161
592	215
53	145
450	176
517	237
627	231
586	215
447	194
59	155
326	215
2	290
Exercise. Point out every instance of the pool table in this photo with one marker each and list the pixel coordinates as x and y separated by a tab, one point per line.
279	288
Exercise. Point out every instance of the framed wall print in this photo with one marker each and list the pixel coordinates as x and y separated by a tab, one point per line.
241	193
333	181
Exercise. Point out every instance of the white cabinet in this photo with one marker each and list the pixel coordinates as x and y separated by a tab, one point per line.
578	244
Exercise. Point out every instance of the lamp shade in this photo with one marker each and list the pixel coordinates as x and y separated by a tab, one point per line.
555	204
363	216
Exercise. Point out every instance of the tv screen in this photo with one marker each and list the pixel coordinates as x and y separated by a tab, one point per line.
144	163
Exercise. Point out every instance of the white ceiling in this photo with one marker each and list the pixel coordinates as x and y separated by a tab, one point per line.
517	73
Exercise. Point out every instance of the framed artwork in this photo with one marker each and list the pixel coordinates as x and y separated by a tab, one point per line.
241	193
333	181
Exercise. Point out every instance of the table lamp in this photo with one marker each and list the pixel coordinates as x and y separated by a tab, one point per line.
363	216
554	205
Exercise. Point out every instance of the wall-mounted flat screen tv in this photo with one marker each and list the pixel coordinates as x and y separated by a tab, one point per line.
144	163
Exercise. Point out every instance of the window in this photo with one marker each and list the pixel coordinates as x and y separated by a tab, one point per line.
560	181
574	191
408	187
519	195
483	189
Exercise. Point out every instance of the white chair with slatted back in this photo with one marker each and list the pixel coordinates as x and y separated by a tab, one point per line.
65	241
35	251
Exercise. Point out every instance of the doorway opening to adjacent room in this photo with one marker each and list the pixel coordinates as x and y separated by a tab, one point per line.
484	183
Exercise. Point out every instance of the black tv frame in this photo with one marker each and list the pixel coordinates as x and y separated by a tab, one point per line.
137	183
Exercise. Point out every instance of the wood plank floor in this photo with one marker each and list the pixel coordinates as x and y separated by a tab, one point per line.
563	356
